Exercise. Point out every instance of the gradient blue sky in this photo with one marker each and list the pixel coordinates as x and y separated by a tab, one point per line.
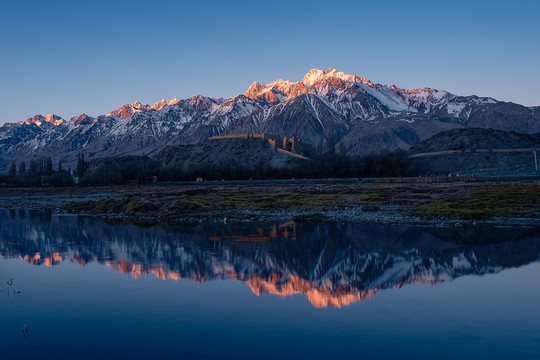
69	57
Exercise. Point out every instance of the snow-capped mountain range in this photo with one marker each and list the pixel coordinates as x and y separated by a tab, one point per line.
361	115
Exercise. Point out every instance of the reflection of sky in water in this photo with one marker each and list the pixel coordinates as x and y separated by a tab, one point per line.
91	310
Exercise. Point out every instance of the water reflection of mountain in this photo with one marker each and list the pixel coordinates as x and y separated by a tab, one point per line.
332	264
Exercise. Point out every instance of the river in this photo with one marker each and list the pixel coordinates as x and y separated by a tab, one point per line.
77	287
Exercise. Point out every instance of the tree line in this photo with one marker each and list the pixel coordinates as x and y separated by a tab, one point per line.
320	166
323	165
141	169
38	172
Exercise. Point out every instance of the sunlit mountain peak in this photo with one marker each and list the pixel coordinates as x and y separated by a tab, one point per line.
162	103
40	119
127	110
315	75
292	89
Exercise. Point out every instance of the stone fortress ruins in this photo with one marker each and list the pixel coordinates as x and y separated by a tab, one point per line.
292	146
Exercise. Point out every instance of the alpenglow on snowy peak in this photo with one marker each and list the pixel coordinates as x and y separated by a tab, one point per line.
359	115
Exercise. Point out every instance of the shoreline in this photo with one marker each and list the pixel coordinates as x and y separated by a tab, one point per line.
211	203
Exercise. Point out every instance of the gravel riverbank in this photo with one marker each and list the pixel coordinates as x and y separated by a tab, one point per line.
388	203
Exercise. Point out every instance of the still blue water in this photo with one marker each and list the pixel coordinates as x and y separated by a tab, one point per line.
74	287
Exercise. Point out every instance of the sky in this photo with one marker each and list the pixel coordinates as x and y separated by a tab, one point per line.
70	57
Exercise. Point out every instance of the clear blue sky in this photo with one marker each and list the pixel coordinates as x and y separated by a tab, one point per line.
69	57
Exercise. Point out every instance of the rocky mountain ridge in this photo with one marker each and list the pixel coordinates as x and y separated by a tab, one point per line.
324	105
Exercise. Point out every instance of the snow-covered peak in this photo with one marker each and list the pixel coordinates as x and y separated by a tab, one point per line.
11	124
137	105
315	75
253	90
318	82
426	94
82	116
127	110
40	119
82	119
292	89
54	119
255	86
162	103
276	91
312	77
280	83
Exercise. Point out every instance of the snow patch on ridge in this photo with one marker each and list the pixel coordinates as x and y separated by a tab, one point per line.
455	109
389	99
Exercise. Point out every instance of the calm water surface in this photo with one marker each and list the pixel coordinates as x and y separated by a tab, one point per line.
75	287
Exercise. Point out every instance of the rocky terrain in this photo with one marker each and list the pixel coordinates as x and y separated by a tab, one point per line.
325	106
476	151
238	151
475	139
414	203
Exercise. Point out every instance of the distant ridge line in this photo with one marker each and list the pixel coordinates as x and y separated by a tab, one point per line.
450	152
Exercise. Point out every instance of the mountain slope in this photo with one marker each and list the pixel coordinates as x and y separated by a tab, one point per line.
237	152
477	151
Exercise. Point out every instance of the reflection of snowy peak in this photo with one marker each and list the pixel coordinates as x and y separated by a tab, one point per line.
362	115
331	264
